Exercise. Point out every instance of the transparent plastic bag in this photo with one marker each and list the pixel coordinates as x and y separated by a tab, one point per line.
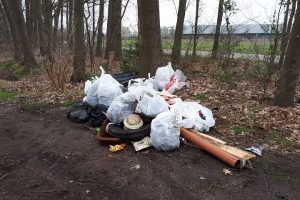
121	107
151	105
176	82
163	75
165	131
108	89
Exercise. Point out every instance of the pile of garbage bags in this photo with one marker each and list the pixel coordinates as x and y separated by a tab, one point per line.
146	107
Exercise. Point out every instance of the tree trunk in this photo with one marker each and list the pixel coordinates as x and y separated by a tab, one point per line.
29	19
47	13
284	35
70	24
5	35
196	30
218	30
286	87
113	36
57	11
79	50
16	9
178	32
13	31
150	50
62	24
100	27
40	23
291	17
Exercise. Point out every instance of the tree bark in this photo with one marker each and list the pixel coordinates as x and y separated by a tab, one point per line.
57	10
48	30
113	36
286	88
150	50
196	30
70	24
40	24
13	32
284	34
79	50
17	15
218	30
178	32
100	28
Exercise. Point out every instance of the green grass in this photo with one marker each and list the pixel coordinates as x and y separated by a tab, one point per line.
34	105
17	69
244	47
201	97
280	139
244	130
69	102
6	95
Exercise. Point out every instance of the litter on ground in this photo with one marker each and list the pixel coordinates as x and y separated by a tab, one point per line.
146	113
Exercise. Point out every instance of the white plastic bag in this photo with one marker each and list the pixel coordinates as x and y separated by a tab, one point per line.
121	107
163	75
190	112
108	89
91	92
176	82
152	104
165	131
87	86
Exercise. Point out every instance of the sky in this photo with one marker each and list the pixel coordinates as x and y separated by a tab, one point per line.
250	11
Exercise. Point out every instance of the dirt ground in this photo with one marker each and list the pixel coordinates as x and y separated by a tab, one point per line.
45	156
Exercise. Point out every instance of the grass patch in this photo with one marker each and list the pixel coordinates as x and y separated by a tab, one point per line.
279	139
228	76
16	69
34	105
201	97
244	130
6	95
69	102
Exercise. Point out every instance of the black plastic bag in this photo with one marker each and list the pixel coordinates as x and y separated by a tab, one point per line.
80	112
97	115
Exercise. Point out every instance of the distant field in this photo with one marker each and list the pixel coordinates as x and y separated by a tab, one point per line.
244	47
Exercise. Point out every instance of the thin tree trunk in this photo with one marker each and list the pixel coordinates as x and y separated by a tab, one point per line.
70	24
196	30
178	32
114	37
218	30
48	30
100	27
16	10
13	32
150	50
40	23
79	50
57	11
89	39
286	87
4	31
29	19
284	35
62	24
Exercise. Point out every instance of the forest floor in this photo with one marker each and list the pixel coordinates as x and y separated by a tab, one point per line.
45	156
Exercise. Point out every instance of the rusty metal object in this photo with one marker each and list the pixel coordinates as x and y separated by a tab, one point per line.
229	159
104	139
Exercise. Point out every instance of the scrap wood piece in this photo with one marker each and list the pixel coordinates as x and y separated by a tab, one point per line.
244	156
209	137
115	148
226	157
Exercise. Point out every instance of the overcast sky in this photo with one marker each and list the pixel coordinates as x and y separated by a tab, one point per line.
258	10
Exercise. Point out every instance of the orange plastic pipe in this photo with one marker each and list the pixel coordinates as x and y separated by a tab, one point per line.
226	157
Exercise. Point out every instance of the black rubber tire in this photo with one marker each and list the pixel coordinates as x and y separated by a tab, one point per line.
129	135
